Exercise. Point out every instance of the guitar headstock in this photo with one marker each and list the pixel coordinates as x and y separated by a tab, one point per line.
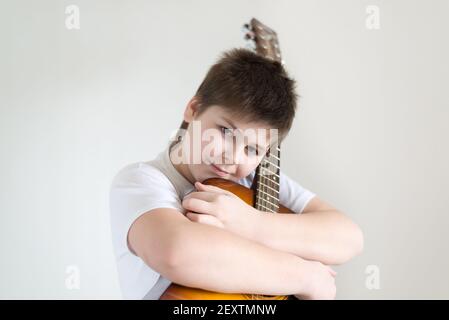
262	40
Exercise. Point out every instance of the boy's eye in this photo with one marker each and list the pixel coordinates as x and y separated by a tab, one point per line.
227	131
252	150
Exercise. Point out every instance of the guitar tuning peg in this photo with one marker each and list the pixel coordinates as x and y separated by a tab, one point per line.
249	35
251	45
246	28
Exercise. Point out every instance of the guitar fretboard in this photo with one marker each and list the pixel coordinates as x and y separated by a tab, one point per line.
267	182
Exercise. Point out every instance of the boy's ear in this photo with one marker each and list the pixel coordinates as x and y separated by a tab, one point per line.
191	109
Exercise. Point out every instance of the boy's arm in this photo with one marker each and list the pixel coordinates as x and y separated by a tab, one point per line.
203	256
320	233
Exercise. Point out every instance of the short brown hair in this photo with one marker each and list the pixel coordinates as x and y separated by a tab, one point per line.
252	87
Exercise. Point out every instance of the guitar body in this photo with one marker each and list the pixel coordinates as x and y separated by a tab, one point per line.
244	193
178	292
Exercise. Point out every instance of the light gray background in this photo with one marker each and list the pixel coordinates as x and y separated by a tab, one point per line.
77	105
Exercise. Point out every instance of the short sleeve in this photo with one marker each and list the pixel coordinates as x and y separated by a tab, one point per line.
136	189
292	195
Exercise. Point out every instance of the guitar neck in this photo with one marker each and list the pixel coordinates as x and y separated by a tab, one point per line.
266	185
267	182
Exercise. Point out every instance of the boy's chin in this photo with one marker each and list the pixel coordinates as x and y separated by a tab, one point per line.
206	176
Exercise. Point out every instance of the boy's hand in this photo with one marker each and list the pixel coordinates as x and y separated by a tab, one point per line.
319	282
221	208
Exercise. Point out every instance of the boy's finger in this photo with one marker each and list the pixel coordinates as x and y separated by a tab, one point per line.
212	188
204	218
203	195
197	205
332	271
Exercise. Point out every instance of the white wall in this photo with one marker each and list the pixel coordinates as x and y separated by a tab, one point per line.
77	105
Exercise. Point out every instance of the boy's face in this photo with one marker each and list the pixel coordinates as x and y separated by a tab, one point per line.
221	145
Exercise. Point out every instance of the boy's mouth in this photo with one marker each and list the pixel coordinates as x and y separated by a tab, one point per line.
219	171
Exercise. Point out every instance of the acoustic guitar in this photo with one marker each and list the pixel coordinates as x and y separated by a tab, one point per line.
264	191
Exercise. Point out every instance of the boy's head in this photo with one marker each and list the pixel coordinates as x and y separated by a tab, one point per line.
249	92
252	88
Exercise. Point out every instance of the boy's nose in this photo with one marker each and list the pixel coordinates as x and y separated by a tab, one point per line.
234	157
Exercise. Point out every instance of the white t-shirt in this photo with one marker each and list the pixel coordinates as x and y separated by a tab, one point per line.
143	186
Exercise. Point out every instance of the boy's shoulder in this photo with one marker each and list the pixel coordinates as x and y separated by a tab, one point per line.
140	173
140	186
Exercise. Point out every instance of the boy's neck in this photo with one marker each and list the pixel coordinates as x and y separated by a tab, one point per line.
182	168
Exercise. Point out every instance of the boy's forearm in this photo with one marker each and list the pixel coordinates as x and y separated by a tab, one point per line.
325	236
217	260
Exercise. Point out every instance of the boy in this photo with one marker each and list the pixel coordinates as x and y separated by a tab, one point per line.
168	227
